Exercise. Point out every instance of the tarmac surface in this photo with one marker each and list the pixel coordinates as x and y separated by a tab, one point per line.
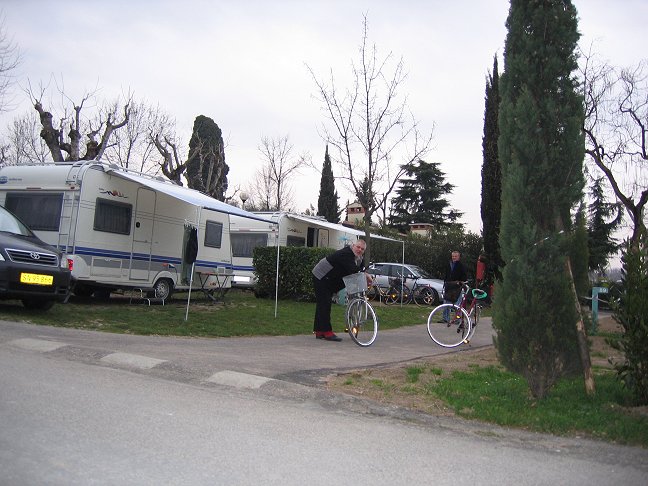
292	368
299	359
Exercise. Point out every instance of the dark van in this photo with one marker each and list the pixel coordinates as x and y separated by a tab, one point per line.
30	270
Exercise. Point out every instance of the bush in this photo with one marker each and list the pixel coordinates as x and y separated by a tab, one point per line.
632	313
295	267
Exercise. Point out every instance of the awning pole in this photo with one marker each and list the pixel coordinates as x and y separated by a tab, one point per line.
189	296
403	276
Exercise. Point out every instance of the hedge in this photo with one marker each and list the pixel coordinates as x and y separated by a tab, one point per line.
295	267
296	263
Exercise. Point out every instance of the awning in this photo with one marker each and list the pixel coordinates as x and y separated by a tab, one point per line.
334	226
185	194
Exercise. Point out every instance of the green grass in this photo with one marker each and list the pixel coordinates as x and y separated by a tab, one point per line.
241	315
413	373
493	395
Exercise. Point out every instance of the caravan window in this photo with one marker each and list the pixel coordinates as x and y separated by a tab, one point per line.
112	217
295	241
39	211
213	234
243	244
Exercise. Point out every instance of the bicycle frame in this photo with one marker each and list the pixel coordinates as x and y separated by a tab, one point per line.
472	308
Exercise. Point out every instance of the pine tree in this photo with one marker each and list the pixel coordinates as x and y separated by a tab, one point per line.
327	202
599	230
541	150
491	205
580	254
422	197
206	167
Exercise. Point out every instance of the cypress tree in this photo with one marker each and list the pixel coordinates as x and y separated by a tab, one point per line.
491	206
327	202
206	167
541	151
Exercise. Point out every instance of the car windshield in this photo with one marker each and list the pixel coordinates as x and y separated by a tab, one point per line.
10	224
420	272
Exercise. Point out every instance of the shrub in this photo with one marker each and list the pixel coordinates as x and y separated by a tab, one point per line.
295	267
631	312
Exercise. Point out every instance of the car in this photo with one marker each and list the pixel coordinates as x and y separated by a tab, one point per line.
382	272
30	270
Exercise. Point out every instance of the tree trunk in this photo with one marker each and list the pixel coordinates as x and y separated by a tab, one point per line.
581	335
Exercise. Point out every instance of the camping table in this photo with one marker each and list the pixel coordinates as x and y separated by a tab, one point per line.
215	293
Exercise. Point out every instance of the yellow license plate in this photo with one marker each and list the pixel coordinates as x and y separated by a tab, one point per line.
36	279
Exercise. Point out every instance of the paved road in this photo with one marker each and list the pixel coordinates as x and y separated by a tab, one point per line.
301	359
288	370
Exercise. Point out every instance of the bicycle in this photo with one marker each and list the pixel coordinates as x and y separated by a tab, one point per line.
450	325
361	321
376	292
421	295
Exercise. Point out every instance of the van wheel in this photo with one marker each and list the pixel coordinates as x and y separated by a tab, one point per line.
102	294
163	289
81	290
37	304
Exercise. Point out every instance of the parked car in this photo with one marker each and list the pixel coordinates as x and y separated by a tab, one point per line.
382	272
30	270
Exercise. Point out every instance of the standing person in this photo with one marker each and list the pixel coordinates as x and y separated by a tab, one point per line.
327	279
455	274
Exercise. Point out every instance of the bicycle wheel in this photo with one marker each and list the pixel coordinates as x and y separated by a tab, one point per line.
373	292
361	321
392	296
424	296
449	325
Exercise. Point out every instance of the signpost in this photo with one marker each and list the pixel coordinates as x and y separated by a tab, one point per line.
595	292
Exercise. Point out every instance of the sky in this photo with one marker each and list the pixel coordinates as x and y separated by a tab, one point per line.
244	63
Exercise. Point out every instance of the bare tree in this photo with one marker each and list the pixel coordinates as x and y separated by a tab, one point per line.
372	131
24	144
133	147
64	136
173	164
616	124
271	181
9	61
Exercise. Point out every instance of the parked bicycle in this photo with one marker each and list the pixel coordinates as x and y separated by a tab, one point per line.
377	293
450	325
399	291
361	321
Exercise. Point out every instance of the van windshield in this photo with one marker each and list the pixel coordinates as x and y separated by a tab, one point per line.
10	224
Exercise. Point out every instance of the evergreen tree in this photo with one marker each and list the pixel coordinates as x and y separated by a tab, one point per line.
422	197
580	254
491	205
206	167
327	202
541	150
631	312
599	230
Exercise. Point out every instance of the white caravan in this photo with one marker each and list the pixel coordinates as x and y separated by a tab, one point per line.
122	229
290	229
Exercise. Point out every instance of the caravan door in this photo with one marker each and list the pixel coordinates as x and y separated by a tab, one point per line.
323	238
140	263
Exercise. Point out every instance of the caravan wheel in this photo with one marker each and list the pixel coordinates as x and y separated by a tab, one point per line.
163	289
